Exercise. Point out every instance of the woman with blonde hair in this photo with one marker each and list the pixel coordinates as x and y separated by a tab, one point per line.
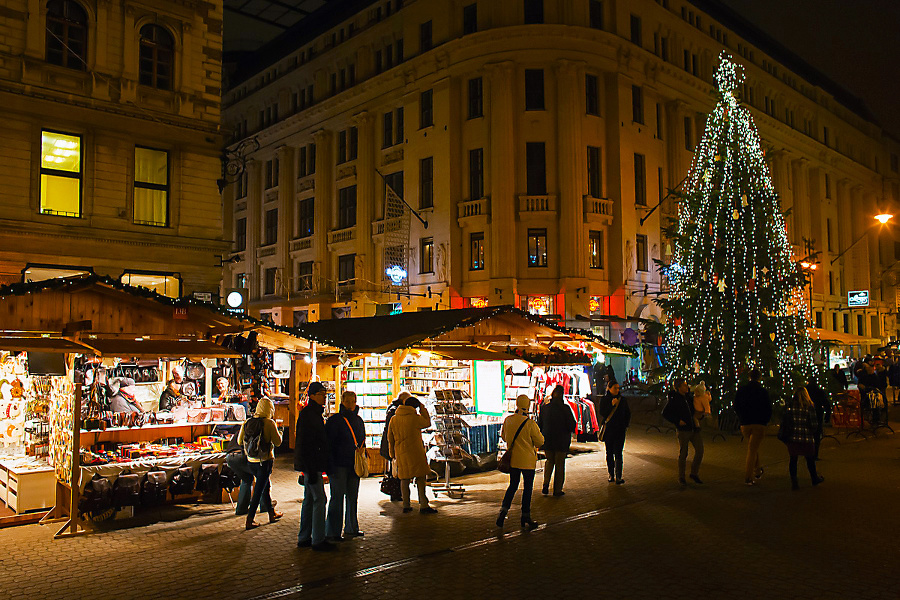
260	436
798	432
523	437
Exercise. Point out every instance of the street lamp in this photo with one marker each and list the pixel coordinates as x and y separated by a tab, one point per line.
882	218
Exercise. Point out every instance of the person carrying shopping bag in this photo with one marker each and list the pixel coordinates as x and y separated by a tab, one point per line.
523	437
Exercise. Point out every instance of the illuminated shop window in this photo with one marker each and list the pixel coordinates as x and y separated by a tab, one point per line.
161	283
539	305
478	302
61	172
594	304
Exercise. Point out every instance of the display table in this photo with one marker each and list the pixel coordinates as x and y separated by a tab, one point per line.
27	484
169	464
148	433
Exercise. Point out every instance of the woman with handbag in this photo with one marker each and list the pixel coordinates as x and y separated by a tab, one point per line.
798	432
346	435
616	417
523	438
259	437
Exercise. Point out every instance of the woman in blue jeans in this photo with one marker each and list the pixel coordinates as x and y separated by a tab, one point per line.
261	455
346	434
523	438
237	461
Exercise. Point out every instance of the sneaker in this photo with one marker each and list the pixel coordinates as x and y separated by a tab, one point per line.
354	534
545	490
696	479
528	524
428	511
611	479
324	547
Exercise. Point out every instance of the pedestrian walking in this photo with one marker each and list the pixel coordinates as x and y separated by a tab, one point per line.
407	451
753	407
259	436
679	411
346	434
557	424
820	401
616	415
237	461
311	459
383	449
798	425
523	437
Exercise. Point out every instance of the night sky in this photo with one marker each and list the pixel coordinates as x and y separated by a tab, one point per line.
856	43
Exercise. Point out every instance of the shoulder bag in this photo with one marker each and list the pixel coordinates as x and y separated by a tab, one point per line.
504	465
360	460
602	433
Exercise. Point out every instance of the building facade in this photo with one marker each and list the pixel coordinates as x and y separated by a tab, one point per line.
110	143
536	138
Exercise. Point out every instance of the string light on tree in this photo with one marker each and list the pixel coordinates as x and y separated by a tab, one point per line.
736	298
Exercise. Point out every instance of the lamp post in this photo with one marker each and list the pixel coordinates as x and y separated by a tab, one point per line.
882	218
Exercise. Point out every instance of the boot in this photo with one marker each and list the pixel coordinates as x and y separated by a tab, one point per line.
250	523
527	523
274	515
502	517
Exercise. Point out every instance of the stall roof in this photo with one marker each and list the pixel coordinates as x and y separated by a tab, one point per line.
73	313
386	333
839	338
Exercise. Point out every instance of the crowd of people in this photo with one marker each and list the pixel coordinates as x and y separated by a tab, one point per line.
336	447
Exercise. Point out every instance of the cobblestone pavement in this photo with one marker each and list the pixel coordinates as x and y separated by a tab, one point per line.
649	538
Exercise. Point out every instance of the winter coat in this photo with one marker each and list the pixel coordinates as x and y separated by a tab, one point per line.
752	404
799	423
557	424
621	419
524	452
383	450
311	449
405	444
680	408
271	437
341	446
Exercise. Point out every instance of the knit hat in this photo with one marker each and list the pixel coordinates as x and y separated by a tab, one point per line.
264	408
699	389
523	402
314	388
403	396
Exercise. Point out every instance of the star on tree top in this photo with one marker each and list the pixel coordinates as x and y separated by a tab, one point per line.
729	75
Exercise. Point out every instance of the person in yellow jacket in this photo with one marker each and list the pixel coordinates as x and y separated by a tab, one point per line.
259	437
407	450
523	437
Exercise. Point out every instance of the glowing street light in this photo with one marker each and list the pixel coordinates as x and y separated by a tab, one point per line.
882	218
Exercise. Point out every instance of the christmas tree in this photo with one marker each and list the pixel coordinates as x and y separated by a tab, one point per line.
735	291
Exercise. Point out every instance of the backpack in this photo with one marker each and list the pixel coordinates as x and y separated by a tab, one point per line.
182	482
153	491
254	444
126	491
96	497
210	481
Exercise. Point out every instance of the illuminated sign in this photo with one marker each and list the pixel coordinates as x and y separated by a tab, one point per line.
396	273
858	298
594	304
478	302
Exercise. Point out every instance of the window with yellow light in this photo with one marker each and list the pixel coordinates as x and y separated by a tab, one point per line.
61	174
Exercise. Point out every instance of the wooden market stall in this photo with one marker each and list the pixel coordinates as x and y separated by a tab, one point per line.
98	317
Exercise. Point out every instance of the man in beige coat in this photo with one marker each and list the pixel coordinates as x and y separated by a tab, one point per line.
407	450
523	437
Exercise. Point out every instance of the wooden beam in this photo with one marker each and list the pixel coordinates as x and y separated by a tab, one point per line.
76	326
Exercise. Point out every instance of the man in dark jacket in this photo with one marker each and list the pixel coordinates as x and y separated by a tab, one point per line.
557	425
346	433
311	459
754	411
679	411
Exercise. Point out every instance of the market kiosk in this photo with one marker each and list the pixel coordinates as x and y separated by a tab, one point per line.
62	339
462	361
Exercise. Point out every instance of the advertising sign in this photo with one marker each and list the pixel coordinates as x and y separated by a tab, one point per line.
858	298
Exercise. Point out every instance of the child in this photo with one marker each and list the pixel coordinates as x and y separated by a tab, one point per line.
702	399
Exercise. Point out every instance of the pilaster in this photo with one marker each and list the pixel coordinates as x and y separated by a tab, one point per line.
502	243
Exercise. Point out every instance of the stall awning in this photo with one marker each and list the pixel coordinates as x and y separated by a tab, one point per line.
500	326
838	338
468	353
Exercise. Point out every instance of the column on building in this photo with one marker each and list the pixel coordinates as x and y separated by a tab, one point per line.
817	231
503	242
844	235
779	165
679	158
613	170
286	218
366	192
571	163
856	262
800	178
324	205
254	226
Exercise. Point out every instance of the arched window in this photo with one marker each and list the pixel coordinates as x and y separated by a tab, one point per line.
157	57
66	34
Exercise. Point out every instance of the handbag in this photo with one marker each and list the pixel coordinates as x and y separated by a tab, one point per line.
390	486
602	433
360	459
153	491
504	465
126	491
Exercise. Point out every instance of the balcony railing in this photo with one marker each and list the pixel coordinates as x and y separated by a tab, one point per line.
598	207
535	204
301	244
271	195
337	236
265	251
474	208
386	226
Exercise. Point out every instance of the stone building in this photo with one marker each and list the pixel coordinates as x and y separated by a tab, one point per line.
535	137
110	141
